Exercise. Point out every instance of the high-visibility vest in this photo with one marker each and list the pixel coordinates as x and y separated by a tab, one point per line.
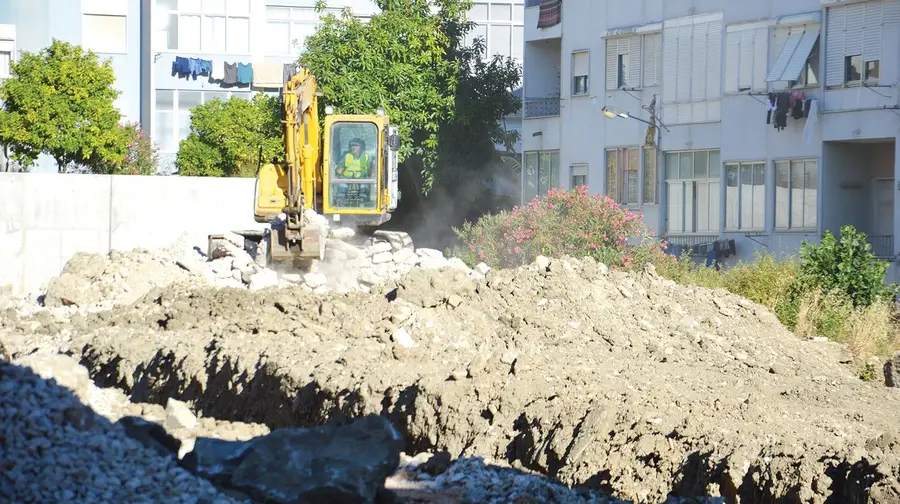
356	167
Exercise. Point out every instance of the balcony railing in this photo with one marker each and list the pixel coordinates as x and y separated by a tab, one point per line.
882	246
541	107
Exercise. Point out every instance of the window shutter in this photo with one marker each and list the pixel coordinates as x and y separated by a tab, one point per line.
612	58
651	59
784	56
713	53
801	54
760	57
745	80
834	46
873	33
633	79
580	63
670	65
698	64
732	61
853	30
684	64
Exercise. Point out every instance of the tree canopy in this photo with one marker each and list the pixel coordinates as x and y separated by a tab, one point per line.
226	137
412	60
60	101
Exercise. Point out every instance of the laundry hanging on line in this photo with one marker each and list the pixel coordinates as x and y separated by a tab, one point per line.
191	67
786	103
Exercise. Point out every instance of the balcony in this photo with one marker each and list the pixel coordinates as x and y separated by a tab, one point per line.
541	107
543	28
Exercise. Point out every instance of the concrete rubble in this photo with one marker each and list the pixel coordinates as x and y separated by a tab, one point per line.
558	381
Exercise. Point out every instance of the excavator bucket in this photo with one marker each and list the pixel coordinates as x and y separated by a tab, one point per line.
290	242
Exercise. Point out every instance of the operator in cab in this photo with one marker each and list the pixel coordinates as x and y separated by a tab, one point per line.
357	165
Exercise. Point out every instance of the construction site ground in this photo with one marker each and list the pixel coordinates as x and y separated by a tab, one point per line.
624	383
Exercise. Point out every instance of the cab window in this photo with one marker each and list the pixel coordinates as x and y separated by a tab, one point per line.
354	165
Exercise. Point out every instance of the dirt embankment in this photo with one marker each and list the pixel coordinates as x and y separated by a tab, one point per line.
626	383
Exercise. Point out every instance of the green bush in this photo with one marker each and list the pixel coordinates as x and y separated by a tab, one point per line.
570	223
848	266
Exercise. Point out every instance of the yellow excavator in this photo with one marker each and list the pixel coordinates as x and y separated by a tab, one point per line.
345	172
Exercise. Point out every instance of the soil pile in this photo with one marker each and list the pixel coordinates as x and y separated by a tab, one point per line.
622	382
96	282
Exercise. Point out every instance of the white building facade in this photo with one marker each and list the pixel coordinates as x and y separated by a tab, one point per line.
262	32
725	165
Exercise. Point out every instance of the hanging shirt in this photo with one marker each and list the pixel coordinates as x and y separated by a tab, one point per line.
218	72
231	74
288	71
205	67
244	73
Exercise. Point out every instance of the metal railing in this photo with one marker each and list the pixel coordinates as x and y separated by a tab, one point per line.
882	245
541	107
691	240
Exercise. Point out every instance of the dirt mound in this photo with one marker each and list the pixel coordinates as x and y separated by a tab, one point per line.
626	383
97	282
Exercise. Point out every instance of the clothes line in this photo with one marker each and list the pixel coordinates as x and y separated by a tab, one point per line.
258	74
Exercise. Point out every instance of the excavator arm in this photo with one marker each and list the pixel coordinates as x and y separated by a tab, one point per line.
286	192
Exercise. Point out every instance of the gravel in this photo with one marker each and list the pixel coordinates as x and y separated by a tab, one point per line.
54	449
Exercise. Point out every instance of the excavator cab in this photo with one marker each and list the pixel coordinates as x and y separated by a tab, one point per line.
359	169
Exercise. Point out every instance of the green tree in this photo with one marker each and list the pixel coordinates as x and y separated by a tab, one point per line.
846	265
226	137
59	101
411	59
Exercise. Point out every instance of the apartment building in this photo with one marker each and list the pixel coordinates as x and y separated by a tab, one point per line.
145	38
722	164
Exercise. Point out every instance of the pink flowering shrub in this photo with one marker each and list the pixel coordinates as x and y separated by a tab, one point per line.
572	223
142	155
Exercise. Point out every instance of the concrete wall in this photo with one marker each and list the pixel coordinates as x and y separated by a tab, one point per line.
46	218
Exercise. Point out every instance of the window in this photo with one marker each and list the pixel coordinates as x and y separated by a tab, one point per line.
578	174
651	194
172	114
746	56
354	165
287	28
623	62
745	196
796	56
501	24
854	43
691	71
541	173
692	186
622	175
580	71
104	34
163	117
5	62
210	26
796	194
